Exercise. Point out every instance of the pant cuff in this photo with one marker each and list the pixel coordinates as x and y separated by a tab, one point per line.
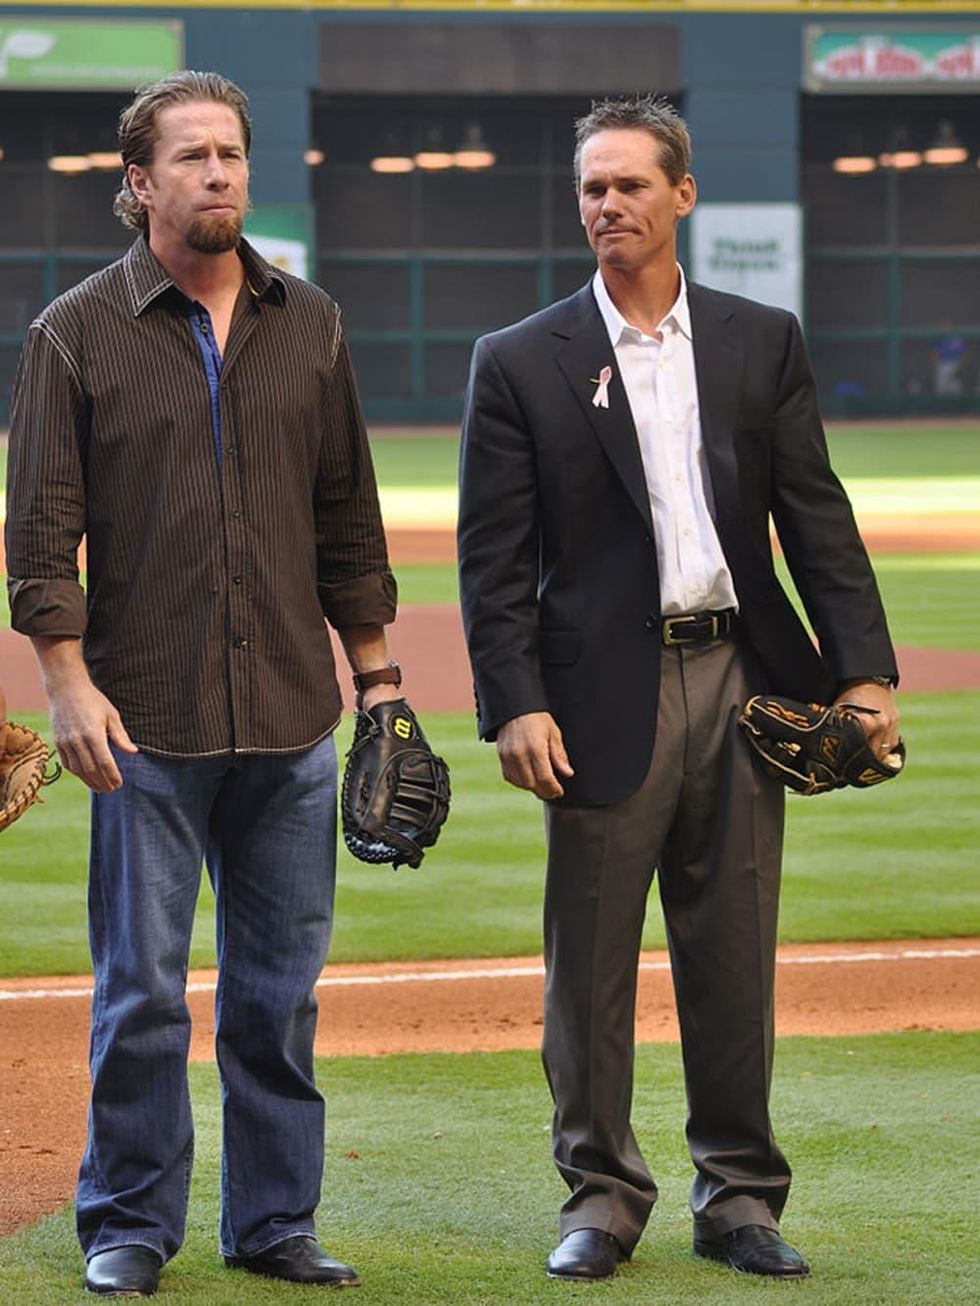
733	1214
114	1244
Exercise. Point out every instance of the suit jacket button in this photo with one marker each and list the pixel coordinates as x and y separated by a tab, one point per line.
651	623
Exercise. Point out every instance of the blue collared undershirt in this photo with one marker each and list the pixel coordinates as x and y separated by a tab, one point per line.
203	329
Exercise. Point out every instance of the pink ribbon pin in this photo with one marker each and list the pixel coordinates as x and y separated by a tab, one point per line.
601	397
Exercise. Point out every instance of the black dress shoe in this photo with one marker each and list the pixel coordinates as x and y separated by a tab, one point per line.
753	1249
300	1259
124	1272
585	1254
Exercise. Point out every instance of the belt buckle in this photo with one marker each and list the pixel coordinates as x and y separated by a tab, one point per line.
669	625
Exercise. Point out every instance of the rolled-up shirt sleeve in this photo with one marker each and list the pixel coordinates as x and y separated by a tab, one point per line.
46	490
354	582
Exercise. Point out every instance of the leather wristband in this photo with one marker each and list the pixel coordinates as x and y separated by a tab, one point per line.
389	675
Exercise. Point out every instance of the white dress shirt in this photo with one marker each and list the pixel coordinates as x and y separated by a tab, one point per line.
661	385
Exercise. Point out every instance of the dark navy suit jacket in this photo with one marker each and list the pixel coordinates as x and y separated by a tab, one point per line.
558	567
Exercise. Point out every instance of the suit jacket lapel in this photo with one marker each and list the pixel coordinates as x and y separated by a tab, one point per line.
583	350
718	366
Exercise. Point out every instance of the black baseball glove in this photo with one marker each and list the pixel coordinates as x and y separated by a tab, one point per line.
813	748
395	795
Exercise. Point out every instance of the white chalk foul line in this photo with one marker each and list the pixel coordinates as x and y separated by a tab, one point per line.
522	972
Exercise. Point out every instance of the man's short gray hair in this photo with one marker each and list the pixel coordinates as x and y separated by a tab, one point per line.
650	113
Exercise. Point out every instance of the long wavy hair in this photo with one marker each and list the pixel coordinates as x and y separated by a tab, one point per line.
138	128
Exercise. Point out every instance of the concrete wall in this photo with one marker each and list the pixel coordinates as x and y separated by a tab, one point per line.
740	74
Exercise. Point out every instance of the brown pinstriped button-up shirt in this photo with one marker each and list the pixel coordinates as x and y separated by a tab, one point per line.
207	582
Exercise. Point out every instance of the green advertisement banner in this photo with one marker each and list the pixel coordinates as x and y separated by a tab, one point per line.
282	234
845	59
50	54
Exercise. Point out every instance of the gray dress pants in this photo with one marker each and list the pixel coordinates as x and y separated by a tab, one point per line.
711	822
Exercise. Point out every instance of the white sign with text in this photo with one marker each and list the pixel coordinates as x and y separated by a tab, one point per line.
754	250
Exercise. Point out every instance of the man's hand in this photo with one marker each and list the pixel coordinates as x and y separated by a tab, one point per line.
83	721
532	754
882	729
82	718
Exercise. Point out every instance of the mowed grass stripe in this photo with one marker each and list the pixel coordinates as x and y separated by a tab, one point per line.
440	1189
422	505
429	456
931	598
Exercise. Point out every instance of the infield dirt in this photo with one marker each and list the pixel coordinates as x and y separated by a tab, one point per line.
452	1006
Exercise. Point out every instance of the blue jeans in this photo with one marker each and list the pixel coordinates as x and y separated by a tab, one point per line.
266	826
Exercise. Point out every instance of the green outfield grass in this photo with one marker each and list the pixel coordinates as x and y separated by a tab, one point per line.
429	457
932	599
905	451
428	582
887	468
416	457
897	862
440	1189
411	457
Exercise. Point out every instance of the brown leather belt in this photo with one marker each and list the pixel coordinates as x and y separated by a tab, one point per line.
697	627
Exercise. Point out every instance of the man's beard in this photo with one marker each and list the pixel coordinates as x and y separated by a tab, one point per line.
212	235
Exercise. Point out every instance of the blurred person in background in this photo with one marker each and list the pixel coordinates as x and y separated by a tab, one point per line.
948	356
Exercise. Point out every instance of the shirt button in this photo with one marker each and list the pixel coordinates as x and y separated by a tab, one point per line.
237	580
241	643
236	513
229	448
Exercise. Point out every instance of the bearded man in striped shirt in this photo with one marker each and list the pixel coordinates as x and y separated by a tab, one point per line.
191	412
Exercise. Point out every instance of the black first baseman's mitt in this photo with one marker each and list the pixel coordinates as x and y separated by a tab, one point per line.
24	769
813	748
395	796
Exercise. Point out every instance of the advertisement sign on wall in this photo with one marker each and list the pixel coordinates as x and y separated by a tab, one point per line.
843	60
750	249
51	54
281	234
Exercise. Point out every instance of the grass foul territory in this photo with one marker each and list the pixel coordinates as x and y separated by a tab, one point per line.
440	1189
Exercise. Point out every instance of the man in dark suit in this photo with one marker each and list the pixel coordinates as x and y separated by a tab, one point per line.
623	451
